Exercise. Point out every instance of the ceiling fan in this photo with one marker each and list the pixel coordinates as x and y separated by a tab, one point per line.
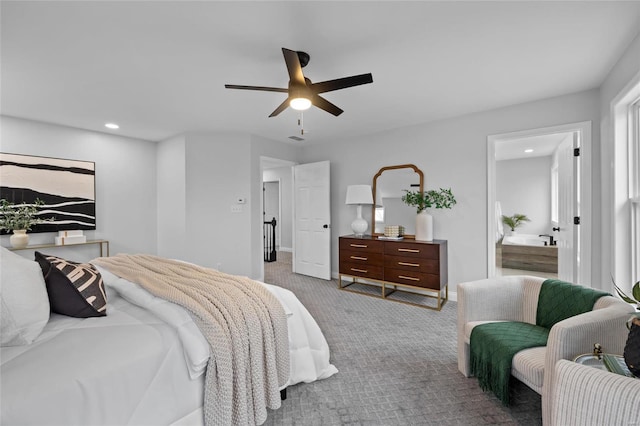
302	93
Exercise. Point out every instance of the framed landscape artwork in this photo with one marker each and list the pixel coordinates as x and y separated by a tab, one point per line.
67	188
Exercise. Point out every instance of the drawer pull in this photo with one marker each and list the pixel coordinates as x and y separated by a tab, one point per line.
364	271
408	278
358	257
409	264
409	250
359	245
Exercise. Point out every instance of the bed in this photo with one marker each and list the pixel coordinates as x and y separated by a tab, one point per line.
143	363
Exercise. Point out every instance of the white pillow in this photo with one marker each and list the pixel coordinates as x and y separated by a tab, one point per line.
24	309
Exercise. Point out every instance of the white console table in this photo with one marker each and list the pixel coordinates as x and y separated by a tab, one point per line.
104	246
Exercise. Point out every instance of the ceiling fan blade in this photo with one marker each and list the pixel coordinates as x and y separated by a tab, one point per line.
341	83
281	108
324	104
294	67
261	88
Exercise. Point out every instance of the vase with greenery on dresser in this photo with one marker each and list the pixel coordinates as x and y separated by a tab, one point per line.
439	199
632	347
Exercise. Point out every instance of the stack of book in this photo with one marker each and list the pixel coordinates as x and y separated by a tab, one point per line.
393	232
66	238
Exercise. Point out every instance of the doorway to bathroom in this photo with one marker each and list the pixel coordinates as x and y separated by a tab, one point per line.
539	175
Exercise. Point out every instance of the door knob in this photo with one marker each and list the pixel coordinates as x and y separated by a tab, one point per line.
557	228
325	226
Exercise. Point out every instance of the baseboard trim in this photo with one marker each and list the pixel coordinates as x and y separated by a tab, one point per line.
289	249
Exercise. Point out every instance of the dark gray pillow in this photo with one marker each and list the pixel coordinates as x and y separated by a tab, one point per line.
75	289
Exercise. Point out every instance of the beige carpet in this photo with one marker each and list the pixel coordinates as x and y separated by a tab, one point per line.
397	365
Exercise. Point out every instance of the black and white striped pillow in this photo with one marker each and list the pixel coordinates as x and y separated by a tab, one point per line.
75	289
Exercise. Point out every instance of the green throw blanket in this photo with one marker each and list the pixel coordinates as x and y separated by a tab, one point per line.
494	345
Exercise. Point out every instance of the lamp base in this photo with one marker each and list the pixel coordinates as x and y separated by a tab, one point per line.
359	226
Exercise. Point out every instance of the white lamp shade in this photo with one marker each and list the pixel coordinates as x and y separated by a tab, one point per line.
359	194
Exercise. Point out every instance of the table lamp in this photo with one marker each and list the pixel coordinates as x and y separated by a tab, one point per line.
359	195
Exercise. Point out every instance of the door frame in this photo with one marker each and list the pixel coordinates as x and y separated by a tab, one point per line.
279	224
271	161
585	208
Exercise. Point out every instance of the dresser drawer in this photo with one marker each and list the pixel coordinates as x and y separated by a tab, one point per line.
417	279
413	264
364	270
361	245
425	251
363	258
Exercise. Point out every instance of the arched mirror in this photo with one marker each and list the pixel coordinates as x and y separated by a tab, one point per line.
388	187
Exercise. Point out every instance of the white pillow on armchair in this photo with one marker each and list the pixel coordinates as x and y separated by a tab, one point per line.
23	296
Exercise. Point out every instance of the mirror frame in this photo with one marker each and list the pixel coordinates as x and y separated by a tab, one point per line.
373	186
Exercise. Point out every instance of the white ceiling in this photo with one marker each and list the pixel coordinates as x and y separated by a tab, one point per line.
540	146
159	68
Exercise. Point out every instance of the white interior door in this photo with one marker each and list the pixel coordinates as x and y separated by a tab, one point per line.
312	220
568	178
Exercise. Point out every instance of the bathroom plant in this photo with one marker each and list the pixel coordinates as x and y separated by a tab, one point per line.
515	221
632	347
19	218
439	199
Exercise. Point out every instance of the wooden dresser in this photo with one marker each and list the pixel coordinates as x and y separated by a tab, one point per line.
412	266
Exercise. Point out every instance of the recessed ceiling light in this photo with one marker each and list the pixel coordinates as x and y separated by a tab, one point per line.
528	150
112	126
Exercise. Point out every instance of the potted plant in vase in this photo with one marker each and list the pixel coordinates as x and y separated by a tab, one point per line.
439	199
19	218
632	347
515	221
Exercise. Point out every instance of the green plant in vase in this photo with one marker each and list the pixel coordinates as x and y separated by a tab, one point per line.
19	218
632	347
515	221
439	199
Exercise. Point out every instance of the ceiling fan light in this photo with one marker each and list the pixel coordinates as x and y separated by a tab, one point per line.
300	104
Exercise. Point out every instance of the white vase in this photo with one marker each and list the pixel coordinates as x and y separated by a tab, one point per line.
19	239
424	226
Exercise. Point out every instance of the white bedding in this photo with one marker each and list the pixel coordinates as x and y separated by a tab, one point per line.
142	364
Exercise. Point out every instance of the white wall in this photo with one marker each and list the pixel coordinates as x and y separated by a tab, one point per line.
218	169
261	147
622	73
524	186
125	181
217	174
171	189
182	212
283	174
451	153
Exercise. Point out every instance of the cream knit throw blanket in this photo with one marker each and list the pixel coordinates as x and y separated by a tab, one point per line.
245	325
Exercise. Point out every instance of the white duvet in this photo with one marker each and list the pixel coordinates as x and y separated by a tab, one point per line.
142	364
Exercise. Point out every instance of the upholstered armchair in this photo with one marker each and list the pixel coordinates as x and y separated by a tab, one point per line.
515	298
586	396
